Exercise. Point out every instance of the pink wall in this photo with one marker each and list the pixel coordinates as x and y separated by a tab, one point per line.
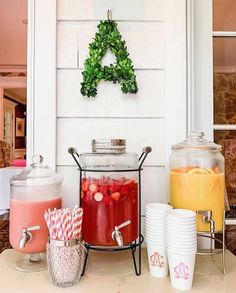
13	33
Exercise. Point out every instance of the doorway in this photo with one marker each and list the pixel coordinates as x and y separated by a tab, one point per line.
14	121
13	76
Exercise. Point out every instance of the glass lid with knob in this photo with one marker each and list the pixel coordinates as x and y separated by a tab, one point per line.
196	140
36	174
197	153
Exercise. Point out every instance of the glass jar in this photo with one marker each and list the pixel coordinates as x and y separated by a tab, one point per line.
34	190
109	194
197	179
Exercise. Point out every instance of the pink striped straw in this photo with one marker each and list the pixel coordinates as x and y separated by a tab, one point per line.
64	224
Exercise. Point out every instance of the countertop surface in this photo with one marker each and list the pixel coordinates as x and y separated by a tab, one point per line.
113	273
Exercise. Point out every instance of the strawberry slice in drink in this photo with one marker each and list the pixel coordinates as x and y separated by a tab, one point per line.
98	196
115	196
85	186
93	187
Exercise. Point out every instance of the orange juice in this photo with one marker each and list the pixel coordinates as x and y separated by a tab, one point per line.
199	189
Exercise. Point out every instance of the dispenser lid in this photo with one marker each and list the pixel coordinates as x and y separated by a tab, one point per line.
108	145
196	140
36	174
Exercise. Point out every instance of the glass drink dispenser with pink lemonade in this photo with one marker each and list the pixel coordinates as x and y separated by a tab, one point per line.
34	190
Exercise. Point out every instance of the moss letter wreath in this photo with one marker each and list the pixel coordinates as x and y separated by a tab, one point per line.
122	71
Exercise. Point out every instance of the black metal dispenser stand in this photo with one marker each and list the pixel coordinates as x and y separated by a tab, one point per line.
137	243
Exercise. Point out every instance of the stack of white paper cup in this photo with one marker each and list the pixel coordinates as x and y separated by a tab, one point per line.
181	240
155	233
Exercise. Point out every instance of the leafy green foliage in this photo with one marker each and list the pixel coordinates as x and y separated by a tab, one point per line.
122	71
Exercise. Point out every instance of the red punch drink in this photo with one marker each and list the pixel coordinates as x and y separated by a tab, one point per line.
108	203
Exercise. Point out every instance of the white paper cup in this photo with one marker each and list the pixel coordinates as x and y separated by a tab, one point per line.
155	240
157	260
153	228
155	212
178	231
181	215
156	234
182	224
183	251
181	268
155	218
181	229
158	206
155	223
181	237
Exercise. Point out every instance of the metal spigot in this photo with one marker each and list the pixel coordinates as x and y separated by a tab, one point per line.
117	235
207	218
27	235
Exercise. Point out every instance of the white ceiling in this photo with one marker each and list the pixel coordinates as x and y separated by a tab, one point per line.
13	32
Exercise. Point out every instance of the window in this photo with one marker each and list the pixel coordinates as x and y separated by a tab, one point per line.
224	94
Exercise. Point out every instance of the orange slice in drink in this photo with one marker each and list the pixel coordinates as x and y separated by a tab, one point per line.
197	171
210	171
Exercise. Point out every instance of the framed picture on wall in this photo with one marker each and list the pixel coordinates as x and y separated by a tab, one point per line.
20	127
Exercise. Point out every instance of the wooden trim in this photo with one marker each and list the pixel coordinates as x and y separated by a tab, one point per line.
190	65
41	106
13	82
224	127
30	80
13	68
224	34
175	83
203	68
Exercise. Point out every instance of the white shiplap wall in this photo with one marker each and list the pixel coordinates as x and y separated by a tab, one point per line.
155	32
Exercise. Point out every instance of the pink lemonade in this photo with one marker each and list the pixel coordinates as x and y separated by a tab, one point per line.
30	213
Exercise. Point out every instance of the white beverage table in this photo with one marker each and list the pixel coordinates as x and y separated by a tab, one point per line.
113	273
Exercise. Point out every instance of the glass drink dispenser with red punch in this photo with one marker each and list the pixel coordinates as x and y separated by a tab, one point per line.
110	194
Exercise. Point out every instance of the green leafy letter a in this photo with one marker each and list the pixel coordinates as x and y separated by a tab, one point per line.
122	71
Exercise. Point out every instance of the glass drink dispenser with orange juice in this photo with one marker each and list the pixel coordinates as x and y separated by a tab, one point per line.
197	179
34	190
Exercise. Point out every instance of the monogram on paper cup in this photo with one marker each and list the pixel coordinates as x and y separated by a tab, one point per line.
157	260
181	271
